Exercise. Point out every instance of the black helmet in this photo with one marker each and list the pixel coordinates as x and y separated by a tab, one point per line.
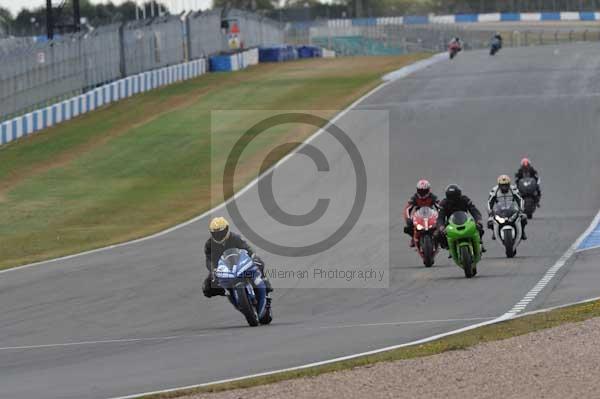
453	193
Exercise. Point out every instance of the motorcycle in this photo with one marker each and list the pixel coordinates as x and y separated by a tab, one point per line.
464	242
528	188
244	286
453	49
424	222
495	47
507	226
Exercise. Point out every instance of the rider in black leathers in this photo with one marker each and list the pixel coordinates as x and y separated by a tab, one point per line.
455	201
527	170
221	240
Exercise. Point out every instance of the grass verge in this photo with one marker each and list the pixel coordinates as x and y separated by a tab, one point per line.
141	165
494	332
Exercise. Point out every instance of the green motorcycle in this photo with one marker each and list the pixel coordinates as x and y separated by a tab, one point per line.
464	242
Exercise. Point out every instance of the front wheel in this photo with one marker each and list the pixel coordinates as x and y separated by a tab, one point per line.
245	306
509	244
427	250
467	261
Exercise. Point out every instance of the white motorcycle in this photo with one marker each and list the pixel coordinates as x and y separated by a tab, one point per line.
507	225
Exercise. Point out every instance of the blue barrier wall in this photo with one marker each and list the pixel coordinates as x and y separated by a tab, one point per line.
40	119
510	16
550	16
460	18
220	63
466	18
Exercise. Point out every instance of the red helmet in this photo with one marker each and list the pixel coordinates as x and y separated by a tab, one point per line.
423	188
525	162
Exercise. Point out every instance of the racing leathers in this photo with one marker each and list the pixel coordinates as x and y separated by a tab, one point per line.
213	252
530	171
447	208
512	195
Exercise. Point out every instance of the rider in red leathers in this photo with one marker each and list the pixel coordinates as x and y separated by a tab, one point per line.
423	197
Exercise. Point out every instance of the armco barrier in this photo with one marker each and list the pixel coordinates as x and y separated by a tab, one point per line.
32	122
233	62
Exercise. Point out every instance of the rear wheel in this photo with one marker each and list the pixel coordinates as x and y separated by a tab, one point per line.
529	207
427	249
245	306
509	244
268	316
467	261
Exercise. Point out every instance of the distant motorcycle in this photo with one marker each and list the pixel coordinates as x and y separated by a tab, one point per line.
507	226
464	242
453	49
246	290
424	222
495	46
528	188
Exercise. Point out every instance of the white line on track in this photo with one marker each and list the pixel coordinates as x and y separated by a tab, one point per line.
551	273
100	342
175	337
588	248
398	323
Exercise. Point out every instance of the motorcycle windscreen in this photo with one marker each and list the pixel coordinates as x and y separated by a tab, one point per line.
527	185
236	260
505	208
459	218
425	212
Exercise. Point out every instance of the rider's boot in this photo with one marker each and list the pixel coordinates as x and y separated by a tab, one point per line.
523	235
268	285
411	243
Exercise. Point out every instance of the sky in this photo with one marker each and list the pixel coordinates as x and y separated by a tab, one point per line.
175	5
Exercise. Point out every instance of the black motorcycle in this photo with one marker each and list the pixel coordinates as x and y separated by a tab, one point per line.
495	47
528	188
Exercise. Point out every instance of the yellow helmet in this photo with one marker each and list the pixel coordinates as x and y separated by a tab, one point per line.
219	229
503	179
504	183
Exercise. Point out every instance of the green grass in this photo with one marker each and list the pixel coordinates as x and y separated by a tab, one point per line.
141	165
494	332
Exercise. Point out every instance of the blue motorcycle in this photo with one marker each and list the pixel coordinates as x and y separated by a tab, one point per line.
243	283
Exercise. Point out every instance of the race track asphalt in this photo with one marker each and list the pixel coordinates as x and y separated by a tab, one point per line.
133	319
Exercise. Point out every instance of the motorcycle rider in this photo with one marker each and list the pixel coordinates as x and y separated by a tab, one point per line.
423	197
455	201
527	170
497	39
221	239
505	191
455	43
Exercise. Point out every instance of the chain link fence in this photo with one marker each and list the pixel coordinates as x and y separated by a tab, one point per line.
33	75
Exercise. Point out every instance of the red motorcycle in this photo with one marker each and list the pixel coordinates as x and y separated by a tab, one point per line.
453	49
424	222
